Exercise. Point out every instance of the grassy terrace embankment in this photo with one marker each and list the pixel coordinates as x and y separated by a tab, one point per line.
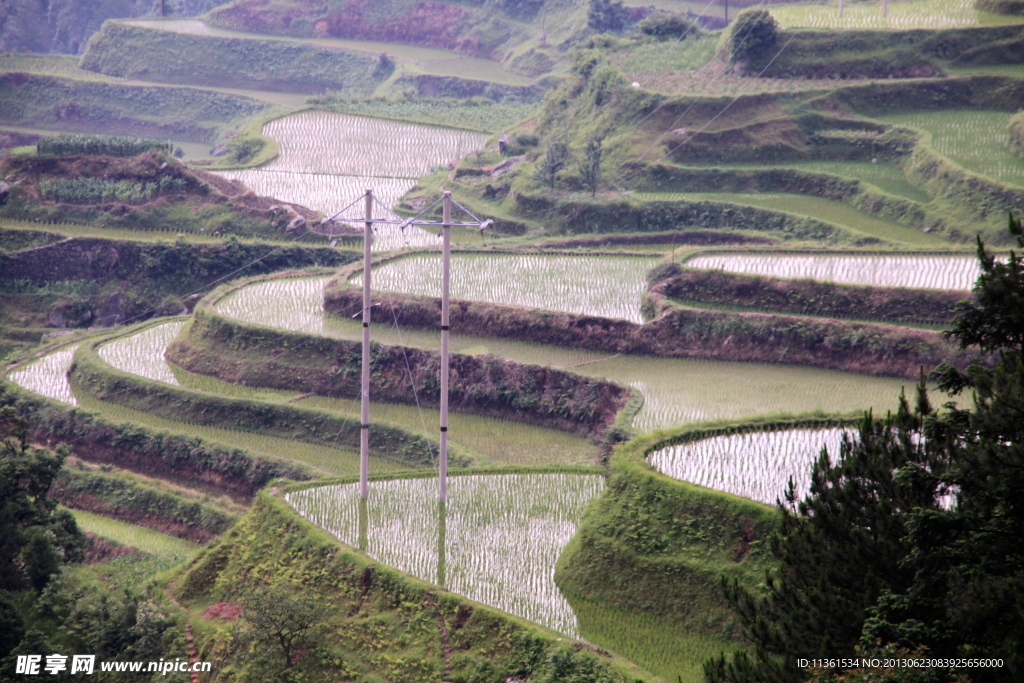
90	376
538	395
677	332
166	508
811	297
414	630
149	192
176	457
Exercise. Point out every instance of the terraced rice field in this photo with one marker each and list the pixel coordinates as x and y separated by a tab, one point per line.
143	353
48	376
880	270
496	541
327	160
755	465
977	140
885	177
676	391
680	391
138	537
818	208
503	442
934	14
604	286
294	304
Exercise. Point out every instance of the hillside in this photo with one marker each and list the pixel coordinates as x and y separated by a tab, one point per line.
65	26
710	245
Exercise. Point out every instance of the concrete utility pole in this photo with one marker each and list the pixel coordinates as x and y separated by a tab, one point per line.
885	8
364	424
840	7
446	247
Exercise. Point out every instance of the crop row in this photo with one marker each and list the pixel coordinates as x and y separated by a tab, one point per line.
105	145
92	190
604	286
495	542
755	465
933	14
889	270
325	142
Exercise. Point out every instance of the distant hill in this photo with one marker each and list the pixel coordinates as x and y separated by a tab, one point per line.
65	26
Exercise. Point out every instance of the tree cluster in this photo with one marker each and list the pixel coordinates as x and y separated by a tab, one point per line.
911	540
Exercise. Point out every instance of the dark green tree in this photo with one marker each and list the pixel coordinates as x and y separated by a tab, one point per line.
752	39
607	15
282	622
590	165
35	537
555	159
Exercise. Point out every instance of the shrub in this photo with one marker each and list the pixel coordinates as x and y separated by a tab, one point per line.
752	38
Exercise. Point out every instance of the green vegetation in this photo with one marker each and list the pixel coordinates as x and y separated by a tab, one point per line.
172	510
65	25
861	226
91	376
158	452
100	145
95	190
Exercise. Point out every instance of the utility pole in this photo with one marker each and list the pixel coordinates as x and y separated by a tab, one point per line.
840	7
364	424
885	8
726	11
446	247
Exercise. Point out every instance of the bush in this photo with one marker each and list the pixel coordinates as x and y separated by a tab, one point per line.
668	25
753	35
